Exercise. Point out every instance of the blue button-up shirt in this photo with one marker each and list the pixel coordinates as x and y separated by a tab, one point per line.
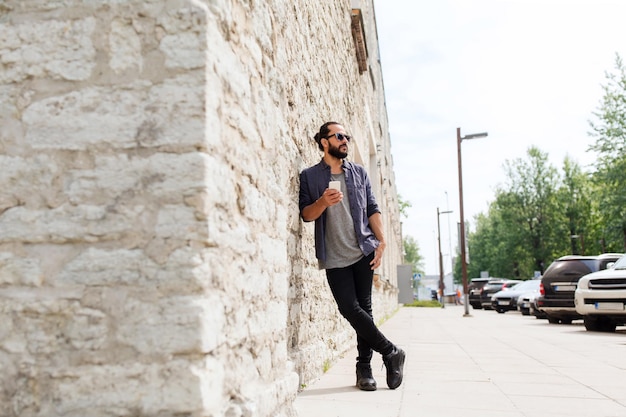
313	182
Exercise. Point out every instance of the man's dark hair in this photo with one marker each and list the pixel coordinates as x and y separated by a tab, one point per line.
323	133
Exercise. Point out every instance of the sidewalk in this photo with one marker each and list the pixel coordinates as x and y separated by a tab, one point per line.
486	365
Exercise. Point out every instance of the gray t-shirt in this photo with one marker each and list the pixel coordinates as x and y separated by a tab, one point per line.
342	246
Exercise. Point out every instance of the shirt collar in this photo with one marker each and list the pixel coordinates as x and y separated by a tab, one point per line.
344	165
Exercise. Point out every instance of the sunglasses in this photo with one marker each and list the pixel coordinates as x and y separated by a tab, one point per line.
340	137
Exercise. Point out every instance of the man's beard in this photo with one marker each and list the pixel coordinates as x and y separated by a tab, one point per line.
336	152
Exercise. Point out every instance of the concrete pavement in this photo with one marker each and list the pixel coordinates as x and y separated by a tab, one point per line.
486	365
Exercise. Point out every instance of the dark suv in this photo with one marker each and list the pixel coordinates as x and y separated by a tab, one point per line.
493	286
474	288
558	284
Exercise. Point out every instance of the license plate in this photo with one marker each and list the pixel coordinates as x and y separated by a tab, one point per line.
609	306
525	304
503	303
565	288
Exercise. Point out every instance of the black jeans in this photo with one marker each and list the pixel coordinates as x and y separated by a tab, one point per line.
352	288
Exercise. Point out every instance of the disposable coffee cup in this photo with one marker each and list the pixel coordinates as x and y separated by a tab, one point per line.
335	185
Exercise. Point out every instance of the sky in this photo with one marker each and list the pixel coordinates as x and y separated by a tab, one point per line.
527	72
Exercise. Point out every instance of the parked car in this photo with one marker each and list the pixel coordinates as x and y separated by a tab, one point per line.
601	298
506	299
492	287
523	302
559	282
533	309
524	299
473	289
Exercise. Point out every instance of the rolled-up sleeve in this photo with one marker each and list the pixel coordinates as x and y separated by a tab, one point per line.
372	206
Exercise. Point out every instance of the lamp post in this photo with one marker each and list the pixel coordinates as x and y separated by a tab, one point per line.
441	285
459	139
449	238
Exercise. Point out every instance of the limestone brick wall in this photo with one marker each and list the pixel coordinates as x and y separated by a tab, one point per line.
152	260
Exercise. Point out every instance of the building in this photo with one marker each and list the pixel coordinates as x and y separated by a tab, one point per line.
152	260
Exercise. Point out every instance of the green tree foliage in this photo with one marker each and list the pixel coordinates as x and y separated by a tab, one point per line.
412	255
609	131
404	206
410	246
495	247
537	216
529	208
576	202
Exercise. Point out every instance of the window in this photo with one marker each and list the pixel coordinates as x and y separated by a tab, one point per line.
358	34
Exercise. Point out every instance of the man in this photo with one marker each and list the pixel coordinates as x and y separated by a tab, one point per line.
349	245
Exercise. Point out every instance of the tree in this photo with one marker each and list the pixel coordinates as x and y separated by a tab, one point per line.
530	208
404	206
495	246
576	203
412	255
524	229
610	133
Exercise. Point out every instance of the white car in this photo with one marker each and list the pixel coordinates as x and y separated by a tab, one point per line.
600	298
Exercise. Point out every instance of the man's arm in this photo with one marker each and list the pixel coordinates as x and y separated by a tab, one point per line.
376	224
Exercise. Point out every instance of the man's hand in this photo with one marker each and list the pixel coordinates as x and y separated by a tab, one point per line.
378	256
331	197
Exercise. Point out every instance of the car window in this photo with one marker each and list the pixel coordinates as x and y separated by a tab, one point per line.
477	283
527	285
573	267
607	263
621	263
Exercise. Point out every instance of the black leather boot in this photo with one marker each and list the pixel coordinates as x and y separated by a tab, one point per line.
394	362
364	378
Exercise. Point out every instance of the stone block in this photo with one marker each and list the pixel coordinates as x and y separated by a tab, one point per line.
125	47
162	177
170	326
19	271
158	388
138	116
55	49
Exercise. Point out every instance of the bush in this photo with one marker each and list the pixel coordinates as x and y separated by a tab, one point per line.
424	303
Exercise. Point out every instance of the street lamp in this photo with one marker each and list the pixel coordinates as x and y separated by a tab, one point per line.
459	139
450	238
441	285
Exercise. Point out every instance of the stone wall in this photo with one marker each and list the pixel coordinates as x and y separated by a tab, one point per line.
152	260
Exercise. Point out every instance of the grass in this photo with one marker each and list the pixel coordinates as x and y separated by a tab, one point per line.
327	365
424	303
